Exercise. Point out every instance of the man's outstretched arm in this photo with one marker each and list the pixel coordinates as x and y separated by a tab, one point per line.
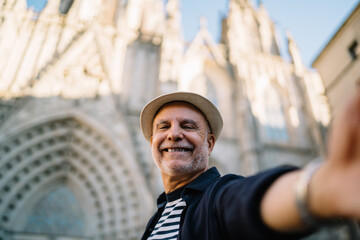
334	189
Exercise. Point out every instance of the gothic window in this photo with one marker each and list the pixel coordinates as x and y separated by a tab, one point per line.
274	120
58	212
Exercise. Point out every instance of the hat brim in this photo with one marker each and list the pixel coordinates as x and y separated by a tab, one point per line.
209	110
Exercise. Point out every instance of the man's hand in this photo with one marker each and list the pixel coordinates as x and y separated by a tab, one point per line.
336	186
334	190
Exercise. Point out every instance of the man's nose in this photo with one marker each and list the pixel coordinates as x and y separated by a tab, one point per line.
175	133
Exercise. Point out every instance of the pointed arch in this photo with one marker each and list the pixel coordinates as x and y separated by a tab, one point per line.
76	153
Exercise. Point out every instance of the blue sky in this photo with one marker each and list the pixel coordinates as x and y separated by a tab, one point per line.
36	4
311	22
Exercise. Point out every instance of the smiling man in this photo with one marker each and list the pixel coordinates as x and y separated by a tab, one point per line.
181	143
198	203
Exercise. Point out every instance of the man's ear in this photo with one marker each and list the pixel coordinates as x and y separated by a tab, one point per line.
211	142
151	138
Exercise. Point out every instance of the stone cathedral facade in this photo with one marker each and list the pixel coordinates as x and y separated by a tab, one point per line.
74	78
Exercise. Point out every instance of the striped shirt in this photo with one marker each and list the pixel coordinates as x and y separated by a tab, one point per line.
167	228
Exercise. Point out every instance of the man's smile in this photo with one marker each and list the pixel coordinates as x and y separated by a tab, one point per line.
176	149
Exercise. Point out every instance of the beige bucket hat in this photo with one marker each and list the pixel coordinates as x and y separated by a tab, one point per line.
209	110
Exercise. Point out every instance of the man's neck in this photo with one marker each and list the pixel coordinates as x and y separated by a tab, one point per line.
171	183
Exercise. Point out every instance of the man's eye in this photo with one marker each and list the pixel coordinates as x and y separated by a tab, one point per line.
188	127
163	127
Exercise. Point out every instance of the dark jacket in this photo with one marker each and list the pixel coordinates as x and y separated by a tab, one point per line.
220	208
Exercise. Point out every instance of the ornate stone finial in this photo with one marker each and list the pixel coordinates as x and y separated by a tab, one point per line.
294	53
261	7
243	3
288	35
173	8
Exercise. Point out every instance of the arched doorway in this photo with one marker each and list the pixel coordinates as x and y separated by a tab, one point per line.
68	163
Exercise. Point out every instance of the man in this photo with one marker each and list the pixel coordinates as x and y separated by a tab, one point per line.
280	203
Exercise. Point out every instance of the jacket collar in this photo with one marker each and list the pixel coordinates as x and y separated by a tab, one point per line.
197	185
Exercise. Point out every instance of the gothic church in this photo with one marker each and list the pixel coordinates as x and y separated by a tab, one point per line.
74	78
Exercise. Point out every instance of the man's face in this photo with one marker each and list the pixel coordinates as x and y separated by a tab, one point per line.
181	142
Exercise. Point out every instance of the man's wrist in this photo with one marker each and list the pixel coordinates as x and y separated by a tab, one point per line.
302	198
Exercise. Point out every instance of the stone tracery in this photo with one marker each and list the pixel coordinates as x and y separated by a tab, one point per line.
68	150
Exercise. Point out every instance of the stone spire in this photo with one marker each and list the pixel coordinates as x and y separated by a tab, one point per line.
172	47
295	55
173	17
242	34
51	8
267	32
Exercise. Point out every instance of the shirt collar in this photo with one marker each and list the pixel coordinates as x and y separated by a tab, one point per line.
199	185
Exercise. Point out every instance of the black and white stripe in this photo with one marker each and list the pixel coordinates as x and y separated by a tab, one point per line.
168	225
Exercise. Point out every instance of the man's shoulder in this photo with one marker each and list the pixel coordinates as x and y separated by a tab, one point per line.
230	177
222	182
